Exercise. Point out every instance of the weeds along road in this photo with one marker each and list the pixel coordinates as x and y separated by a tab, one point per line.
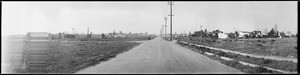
159	56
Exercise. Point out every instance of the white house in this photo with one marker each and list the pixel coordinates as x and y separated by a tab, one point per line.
222	35
243	33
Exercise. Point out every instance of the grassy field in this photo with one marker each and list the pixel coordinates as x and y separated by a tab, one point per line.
282	65
11	55
72	57
285	47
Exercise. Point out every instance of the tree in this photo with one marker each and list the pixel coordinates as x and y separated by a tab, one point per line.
272	33
236	34
231	35
282	34
103	35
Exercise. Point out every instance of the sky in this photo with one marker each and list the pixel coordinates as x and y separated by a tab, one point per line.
136	17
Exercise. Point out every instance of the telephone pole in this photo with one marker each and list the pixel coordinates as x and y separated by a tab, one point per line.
166	26
170	3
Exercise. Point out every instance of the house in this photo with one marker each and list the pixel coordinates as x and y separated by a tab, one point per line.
256	34
244	34
222	35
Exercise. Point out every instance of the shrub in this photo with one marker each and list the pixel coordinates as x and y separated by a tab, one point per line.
295	47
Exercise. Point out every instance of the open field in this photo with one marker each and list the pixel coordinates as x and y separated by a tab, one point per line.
66	57
285	47
72	57
288	66
11	57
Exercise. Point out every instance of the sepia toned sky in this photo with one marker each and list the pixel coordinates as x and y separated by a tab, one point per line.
104	17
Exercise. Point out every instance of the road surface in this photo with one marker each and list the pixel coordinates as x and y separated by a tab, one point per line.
159	56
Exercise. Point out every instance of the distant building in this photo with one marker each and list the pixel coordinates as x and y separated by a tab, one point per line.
243	34
222	35
256	34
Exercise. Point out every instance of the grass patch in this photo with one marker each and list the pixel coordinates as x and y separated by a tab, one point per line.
71	57
282	65
285	47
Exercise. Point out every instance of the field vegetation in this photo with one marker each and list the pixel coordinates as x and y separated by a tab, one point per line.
71	57
285	47
281	65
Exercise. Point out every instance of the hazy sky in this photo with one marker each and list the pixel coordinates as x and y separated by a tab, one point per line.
104	17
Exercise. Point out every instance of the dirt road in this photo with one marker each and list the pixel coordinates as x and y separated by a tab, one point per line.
159	56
